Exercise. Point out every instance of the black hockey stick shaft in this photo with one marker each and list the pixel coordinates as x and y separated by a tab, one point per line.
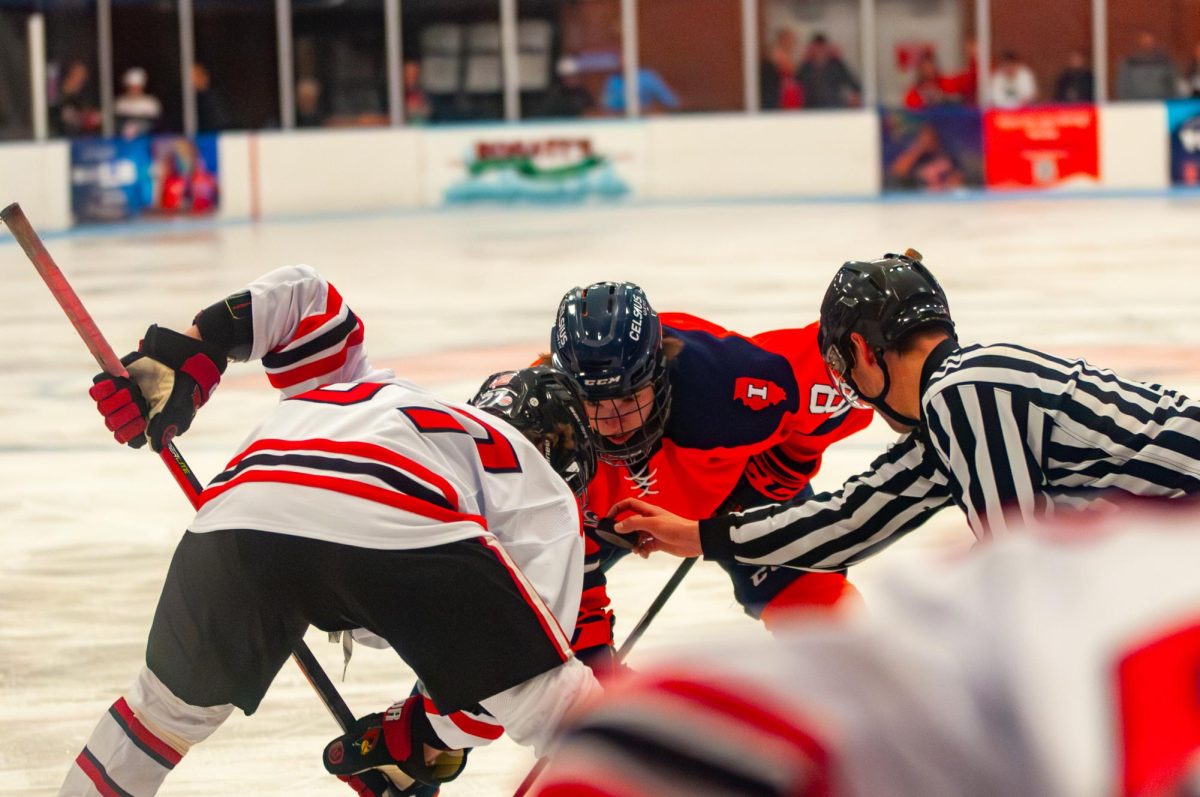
663	596
655	607
22	231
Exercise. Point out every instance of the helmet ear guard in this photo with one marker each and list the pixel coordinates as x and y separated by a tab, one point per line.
547	407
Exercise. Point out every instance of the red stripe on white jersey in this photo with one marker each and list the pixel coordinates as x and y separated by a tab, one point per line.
284	378
368	492
545	616
358	449
750	712
312	323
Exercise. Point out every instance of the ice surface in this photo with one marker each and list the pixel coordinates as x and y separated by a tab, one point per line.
447	297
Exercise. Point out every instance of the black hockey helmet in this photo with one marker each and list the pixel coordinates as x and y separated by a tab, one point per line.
882	300
609	339
547	407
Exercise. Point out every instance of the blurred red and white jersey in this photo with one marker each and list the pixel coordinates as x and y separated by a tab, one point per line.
1062	664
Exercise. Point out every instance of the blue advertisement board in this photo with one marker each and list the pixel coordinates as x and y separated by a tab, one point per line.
118	179
1183	121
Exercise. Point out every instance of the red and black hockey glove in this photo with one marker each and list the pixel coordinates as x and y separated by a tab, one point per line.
170	377
400	743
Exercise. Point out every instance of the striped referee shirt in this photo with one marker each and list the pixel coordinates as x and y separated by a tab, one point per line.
1007	434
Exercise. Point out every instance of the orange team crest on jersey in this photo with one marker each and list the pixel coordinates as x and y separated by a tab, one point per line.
757	394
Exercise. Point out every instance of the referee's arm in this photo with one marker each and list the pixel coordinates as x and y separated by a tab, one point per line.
831	531
981	432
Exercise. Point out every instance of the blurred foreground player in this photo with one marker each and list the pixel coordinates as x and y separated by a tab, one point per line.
362	501
1056	666
1006	433
701	420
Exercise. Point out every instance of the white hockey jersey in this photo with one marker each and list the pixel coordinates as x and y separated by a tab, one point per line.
1061	666
354	455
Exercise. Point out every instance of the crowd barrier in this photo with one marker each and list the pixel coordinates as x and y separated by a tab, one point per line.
822	155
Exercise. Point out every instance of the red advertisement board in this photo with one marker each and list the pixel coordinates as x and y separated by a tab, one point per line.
1041	147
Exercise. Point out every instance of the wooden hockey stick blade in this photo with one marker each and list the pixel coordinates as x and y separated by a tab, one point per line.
14	218
626	646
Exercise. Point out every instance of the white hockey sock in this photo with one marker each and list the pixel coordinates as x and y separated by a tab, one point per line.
138	741
531	711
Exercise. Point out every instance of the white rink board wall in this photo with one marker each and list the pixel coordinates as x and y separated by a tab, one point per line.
1135	147
38	176
720	156
822	153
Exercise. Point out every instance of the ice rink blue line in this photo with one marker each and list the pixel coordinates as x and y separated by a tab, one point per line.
159	227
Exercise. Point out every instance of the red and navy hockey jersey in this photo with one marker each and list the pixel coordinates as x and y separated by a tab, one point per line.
750	418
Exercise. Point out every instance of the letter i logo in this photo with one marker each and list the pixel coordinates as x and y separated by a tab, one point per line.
757	394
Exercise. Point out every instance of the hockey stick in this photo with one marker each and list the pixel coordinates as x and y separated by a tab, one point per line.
23	232
655	607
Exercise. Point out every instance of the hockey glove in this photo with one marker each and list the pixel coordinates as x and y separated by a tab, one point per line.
170	377
397	743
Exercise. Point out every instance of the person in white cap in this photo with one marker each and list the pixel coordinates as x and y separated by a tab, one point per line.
137	112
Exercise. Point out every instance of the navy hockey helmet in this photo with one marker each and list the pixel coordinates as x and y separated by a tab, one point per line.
882	300
547	407
609	339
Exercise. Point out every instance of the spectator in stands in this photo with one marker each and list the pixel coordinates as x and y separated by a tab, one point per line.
137	111
417	110
211	114
567	95
74	111
966	83
654	95
309	112
1189	86
825	78
1147	73
1013	83
930	88
778	83
1076	82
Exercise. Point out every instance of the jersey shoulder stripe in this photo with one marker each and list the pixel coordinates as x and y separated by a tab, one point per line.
290	375
290	354
362	470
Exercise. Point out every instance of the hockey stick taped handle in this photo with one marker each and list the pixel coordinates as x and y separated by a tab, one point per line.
24	234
